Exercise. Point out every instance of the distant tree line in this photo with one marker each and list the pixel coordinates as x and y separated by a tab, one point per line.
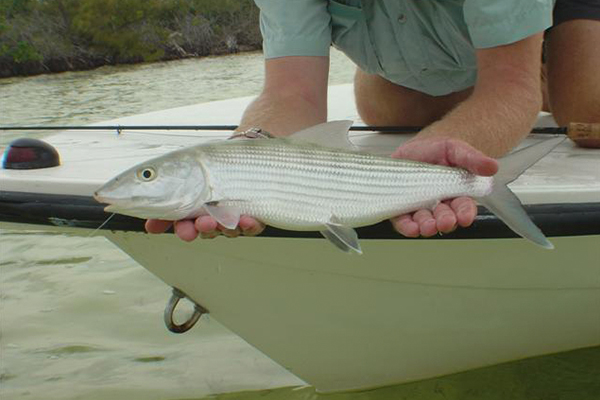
38	36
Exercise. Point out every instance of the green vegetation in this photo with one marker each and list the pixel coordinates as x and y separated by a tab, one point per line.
38	36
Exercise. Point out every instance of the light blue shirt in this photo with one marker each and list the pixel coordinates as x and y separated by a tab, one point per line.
426	45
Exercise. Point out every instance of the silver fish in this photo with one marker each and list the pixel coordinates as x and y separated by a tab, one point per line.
313	180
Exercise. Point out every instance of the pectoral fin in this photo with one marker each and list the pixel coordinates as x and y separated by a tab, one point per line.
227	216
342	237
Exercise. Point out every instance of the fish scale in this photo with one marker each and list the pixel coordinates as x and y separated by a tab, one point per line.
301	186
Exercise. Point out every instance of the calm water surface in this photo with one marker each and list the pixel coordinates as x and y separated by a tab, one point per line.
80	320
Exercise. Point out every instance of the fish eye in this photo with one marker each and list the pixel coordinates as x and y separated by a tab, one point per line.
146	174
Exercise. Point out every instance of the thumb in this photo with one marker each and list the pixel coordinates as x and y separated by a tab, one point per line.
461	154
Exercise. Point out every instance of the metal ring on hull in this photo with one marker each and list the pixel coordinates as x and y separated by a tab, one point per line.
170	309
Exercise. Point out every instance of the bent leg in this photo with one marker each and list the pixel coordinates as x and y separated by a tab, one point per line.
573	61
380	102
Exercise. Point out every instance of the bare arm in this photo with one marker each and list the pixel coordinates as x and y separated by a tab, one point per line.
294	96
496	117
505	101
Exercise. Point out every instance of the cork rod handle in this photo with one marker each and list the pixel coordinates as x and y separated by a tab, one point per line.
584	134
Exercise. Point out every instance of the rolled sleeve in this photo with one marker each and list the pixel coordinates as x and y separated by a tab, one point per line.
494	23
295	28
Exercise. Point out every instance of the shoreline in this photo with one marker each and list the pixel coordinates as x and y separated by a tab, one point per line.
75	64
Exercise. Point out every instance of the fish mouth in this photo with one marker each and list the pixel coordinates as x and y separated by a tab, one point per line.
112	208
136	210
114	204
141	209
100	199
108	199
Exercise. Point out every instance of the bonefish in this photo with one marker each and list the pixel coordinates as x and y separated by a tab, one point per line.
313	180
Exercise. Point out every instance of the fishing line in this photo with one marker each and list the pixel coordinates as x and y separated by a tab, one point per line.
101	225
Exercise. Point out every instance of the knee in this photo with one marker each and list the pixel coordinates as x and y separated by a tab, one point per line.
369	102
573	80
369	113
380	102
581	110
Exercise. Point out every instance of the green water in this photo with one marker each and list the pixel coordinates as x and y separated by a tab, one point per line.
572	375
80	320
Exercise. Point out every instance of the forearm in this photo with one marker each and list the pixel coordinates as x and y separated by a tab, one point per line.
492	119
505	101
282	114
294	96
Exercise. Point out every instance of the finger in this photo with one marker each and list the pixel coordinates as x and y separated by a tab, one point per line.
427	224
207	227
465	210
445	218
185	230
209	235
230	233
206	224
429	151
250	226
406	226
462	155
157	225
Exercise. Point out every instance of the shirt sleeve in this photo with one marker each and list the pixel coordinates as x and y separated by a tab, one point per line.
498	22
295	27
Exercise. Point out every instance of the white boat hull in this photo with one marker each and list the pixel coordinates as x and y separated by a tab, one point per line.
405	310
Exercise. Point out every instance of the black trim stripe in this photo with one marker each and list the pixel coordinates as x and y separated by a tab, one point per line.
569	219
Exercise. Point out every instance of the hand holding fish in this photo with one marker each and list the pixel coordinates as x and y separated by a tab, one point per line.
316	180
206	227
449	214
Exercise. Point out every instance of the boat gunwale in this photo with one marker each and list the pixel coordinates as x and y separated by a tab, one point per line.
76	211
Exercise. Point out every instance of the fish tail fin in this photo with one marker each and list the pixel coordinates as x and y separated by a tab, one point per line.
503	202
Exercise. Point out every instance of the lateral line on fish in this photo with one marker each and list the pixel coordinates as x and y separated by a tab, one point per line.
371	163
266	186
353	176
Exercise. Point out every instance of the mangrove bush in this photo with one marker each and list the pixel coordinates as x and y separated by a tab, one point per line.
38	36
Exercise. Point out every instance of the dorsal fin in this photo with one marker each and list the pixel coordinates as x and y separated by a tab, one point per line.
329	134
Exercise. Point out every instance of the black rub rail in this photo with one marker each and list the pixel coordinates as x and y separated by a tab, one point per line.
571	219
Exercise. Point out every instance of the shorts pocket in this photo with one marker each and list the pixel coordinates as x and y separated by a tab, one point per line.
350	34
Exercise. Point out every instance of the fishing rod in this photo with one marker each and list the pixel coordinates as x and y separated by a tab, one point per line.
119	128
584	134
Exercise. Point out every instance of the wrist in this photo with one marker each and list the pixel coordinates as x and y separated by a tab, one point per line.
251	133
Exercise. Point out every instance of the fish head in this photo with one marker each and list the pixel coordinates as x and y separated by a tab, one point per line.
170	187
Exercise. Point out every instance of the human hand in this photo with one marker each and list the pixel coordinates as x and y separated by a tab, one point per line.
206	227
448	214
